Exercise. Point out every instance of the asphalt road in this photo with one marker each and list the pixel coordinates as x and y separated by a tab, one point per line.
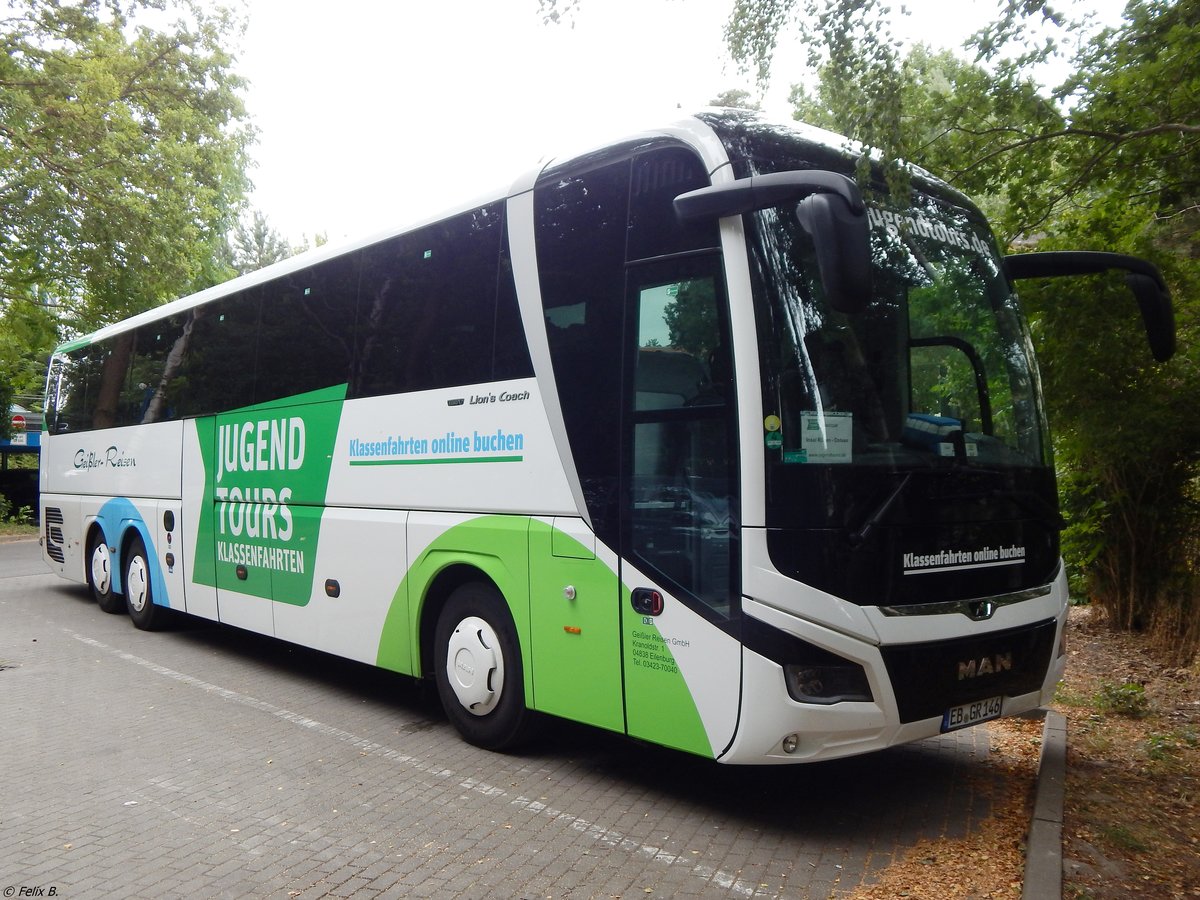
204	761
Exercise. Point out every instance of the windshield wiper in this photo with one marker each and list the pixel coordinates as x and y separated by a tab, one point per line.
1027	500
857	537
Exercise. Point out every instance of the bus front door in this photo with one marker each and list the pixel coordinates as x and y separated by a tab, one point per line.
680	655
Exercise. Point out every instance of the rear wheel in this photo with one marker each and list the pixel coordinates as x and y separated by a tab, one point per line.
477	664
139	598
100	575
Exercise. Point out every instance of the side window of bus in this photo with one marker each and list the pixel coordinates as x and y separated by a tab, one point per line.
581	232
308	324
157	357
217	371
74	395
659	176
683	504
427	307
113	397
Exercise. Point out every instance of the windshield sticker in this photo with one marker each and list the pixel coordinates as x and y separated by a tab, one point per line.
895	223
825	438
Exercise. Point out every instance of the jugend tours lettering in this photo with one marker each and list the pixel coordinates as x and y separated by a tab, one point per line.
258	513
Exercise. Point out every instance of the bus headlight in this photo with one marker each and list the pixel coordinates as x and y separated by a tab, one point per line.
827	682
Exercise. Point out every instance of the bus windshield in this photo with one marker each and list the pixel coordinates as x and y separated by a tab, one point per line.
936	372
910	428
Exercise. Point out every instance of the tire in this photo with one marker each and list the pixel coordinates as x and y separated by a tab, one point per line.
139	598
477	665
100	575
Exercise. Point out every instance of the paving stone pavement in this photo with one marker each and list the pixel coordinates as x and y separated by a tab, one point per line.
208	762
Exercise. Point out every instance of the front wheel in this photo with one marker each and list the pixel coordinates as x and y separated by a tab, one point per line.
139	598
100	575
477	664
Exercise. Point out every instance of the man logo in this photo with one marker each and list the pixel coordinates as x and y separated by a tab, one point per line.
985	665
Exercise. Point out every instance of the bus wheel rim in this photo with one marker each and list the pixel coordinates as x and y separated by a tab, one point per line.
475	665
137	583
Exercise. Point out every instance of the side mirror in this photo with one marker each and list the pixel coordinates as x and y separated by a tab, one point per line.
1144	280
1158	315
843	247
830	208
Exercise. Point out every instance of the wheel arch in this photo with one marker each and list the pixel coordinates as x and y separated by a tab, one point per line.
91	528
438	591
131	528
492	550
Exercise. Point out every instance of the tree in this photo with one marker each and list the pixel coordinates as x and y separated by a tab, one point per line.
255	244
1116	168
736	98
28	332
953	123
122	152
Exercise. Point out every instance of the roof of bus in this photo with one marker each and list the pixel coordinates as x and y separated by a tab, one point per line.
699	130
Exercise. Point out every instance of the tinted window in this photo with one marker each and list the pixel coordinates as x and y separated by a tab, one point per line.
683	510
218	370
110	383
433	308
73	396
660	176
581	260
115	391
428	306
159	351
306	340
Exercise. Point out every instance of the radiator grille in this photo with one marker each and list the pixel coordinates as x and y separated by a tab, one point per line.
930	678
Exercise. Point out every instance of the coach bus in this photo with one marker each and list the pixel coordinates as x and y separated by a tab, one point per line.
690	438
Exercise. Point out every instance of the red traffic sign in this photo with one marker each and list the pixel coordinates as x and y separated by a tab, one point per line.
18	422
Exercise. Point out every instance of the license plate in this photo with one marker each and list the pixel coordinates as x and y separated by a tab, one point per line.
972	713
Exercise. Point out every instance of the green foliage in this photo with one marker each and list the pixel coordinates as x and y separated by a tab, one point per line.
692	319
254	244
1172	745
6	400
28	332
734	98
1128	699
1124	838
9	516
122	151
851	44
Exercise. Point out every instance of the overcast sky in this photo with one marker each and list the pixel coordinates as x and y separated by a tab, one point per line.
374	113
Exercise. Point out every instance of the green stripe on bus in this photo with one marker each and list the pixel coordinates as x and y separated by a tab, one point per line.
436	462
73	345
